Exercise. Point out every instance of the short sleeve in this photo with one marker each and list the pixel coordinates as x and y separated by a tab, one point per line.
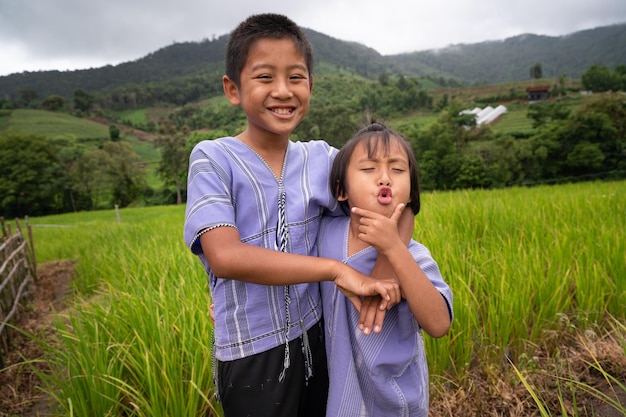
209	200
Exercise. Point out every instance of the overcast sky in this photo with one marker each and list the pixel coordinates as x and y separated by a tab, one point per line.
75	34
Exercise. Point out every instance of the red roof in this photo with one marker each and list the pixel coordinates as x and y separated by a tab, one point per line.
538	88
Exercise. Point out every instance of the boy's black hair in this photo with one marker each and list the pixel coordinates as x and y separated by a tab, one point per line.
374	135
255	27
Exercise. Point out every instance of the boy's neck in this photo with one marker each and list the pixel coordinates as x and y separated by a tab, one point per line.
272	150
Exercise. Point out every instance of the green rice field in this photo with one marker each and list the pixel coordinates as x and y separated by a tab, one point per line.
520	261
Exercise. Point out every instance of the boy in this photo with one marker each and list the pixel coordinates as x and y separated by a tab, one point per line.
253	198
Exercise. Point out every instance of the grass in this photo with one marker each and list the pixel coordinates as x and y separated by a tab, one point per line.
523	263
515	120
519	258
138	339
54	125
136	116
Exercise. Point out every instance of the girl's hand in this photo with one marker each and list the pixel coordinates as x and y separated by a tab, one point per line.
378	230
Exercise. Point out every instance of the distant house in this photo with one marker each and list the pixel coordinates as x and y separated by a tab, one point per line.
539	93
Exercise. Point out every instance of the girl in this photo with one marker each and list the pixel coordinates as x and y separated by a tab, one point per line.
379	374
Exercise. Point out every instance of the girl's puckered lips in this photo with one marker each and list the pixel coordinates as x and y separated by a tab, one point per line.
384	195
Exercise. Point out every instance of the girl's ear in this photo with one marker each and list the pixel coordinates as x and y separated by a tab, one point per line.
231	91
343	196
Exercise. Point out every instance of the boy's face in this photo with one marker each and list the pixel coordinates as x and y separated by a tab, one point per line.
275	90
379	183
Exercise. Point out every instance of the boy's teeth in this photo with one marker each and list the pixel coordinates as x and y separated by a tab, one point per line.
282	111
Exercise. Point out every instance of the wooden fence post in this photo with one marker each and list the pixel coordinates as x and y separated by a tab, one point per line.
17	257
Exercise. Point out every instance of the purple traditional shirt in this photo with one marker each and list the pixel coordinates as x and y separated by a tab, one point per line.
383	374
230	185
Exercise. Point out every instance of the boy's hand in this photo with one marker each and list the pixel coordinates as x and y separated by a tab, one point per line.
378	230
354	284
371	316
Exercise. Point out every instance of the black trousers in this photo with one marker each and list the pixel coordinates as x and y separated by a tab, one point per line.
249	387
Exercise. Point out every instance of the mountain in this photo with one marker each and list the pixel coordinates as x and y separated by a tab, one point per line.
511	59
176	60
486	62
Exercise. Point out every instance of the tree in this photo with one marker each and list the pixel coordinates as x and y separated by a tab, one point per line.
83	101
559	88
543	113
614	107
331	122
92	179
110	175
174	156
436	150
127	174
32	177
621	71
114	133
600	78
53	103
383	79
28	96
593	136
585	158
536	72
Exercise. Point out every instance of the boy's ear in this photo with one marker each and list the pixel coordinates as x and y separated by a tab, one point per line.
231	91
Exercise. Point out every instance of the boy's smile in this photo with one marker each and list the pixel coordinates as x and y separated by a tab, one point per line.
274	92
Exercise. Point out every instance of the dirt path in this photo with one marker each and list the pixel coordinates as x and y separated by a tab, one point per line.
19	394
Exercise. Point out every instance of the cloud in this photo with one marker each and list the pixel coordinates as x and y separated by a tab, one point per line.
70	34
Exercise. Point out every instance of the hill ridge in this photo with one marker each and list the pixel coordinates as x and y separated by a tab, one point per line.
492	61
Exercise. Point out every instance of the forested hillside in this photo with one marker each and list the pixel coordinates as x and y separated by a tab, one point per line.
487	62
150	112
511	59
165	65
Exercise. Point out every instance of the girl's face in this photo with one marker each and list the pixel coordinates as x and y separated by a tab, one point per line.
378	183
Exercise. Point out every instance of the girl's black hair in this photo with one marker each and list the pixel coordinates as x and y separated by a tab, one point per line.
374	135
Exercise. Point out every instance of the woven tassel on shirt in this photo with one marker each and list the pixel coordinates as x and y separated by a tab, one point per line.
306	351
286	363
282	239
287	360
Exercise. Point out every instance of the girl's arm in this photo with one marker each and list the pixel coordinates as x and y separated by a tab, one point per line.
426	303
371	315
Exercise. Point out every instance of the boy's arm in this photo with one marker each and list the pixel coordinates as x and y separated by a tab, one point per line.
426	303
371	315
232	259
